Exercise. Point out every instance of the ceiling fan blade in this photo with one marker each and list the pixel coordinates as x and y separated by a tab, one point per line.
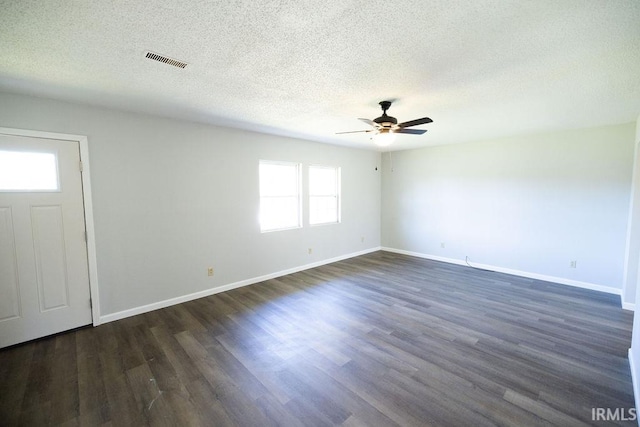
370	123
355	131
415	122
411	131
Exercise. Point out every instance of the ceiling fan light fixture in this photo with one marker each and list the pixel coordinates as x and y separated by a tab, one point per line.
384	138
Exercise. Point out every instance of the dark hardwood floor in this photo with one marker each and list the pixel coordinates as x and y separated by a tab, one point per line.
378	340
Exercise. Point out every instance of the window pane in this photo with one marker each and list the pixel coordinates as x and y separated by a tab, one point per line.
278	179
278	212
279	195
322	181
324	191
28	171
323	209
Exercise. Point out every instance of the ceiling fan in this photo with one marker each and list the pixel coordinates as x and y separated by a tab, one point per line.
385	127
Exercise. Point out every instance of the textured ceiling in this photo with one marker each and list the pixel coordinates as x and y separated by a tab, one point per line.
310	68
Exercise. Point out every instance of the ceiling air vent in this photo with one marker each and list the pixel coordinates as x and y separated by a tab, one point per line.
165	59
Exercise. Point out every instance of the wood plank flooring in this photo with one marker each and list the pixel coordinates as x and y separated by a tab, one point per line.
378	340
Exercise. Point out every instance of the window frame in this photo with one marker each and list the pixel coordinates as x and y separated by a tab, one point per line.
337	194
298	187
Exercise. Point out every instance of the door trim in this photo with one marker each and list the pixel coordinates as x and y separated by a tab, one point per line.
88	206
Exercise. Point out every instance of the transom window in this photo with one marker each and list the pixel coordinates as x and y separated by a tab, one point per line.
28	171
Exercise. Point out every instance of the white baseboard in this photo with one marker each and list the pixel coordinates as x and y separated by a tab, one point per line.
634	380
554	279
205	293
629	306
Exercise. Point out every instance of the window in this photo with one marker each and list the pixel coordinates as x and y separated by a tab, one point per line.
324	191
279	195
28	171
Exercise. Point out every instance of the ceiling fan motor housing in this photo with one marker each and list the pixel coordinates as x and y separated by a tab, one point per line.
385	120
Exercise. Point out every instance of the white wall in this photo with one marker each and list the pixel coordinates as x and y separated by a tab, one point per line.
172	198
529	204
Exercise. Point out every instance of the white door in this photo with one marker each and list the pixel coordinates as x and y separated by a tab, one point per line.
44	279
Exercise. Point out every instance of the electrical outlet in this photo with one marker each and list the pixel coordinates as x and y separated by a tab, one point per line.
442	244
573	264
310	251
210	271
362	239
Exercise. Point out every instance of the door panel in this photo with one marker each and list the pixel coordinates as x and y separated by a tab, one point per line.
49	250
10	301
44	278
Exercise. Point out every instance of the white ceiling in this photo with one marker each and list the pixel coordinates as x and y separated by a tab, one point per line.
310	68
